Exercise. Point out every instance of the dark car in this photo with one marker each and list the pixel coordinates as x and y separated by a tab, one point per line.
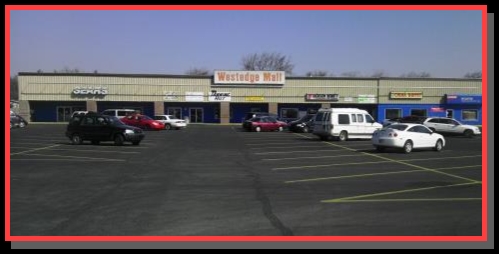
95	127
17	121
304	124
264	123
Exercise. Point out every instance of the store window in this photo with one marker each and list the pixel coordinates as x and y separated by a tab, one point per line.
418	112
393	113
289	113
469	115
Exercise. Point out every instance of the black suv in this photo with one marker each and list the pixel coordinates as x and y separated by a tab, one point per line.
97	127
304	124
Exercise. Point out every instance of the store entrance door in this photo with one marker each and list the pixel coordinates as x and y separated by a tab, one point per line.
64	113
196	115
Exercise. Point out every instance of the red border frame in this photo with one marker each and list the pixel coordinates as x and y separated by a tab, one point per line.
483	237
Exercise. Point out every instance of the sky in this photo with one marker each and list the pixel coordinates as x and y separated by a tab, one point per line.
446	44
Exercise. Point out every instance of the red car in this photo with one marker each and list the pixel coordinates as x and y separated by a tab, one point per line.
264	123
143	122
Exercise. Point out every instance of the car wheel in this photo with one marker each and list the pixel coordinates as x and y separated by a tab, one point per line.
258	129
22	124
432	129
118	140
95	142
76	139
281	128
168	127
468	133
305	129
380	148
439	146
408	146
135	143
343	136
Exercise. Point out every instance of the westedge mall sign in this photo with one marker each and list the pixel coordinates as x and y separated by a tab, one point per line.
250	77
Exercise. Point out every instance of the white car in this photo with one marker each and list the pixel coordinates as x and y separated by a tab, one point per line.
451	126
407	136
171	122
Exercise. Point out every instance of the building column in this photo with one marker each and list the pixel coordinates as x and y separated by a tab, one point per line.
273	108
24	111
92	106
325	105
224	112
159	108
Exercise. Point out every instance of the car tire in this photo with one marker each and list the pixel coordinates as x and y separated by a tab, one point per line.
439	146
168	126
468	133
305	129
258	129
22	124
432	129
95	142
76	139
118	140
408	146
281	128
343	136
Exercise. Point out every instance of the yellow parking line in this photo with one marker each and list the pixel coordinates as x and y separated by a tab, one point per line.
307	151
338	164
76	150
373	174
75	157
36	149
336	200
405	200
274	143
310	157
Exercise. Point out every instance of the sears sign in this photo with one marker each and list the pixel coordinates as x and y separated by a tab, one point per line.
90	90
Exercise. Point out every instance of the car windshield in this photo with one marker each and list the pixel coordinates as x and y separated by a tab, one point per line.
399	127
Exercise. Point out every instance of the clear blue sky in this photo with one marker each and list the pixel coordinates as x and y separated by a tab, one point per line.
442	43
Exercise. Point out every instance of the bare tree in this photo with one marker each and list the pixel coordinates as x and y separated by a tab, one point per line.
476	74
316	73
351	74
197	71
379	74
267	62
413	74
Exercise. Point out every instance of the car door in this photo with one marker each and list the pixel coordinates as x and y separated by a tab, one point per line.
423	137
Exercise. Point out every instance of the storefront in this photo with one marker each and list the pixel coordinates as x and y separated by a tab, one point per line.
227	96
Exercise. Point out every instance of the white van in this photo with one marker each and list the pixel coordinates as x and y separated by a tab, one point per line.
344	123
120	113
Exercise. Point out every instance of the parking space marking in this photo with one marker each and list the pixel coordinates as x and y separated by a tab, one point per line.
310	157
337	164
278	147
349	199
308	151
374	174
77	150
36	149
412	165
75	157
405	200
273	143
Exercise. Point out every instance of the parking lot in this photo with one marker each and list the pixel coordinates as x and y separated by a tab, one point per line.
211	180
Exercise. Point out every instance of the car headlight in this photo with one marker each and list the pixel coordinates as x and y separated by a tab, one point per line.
127	131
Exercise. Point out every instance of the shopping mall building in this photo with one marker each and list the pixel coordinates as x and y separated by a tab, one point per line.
226	96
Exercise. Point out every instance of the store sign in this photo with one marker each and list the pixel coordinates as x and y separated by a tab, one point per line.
406	95
249	77
437	110
170	96
219	96
90	90
366	98
194	96
321	97
464	99
254	98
